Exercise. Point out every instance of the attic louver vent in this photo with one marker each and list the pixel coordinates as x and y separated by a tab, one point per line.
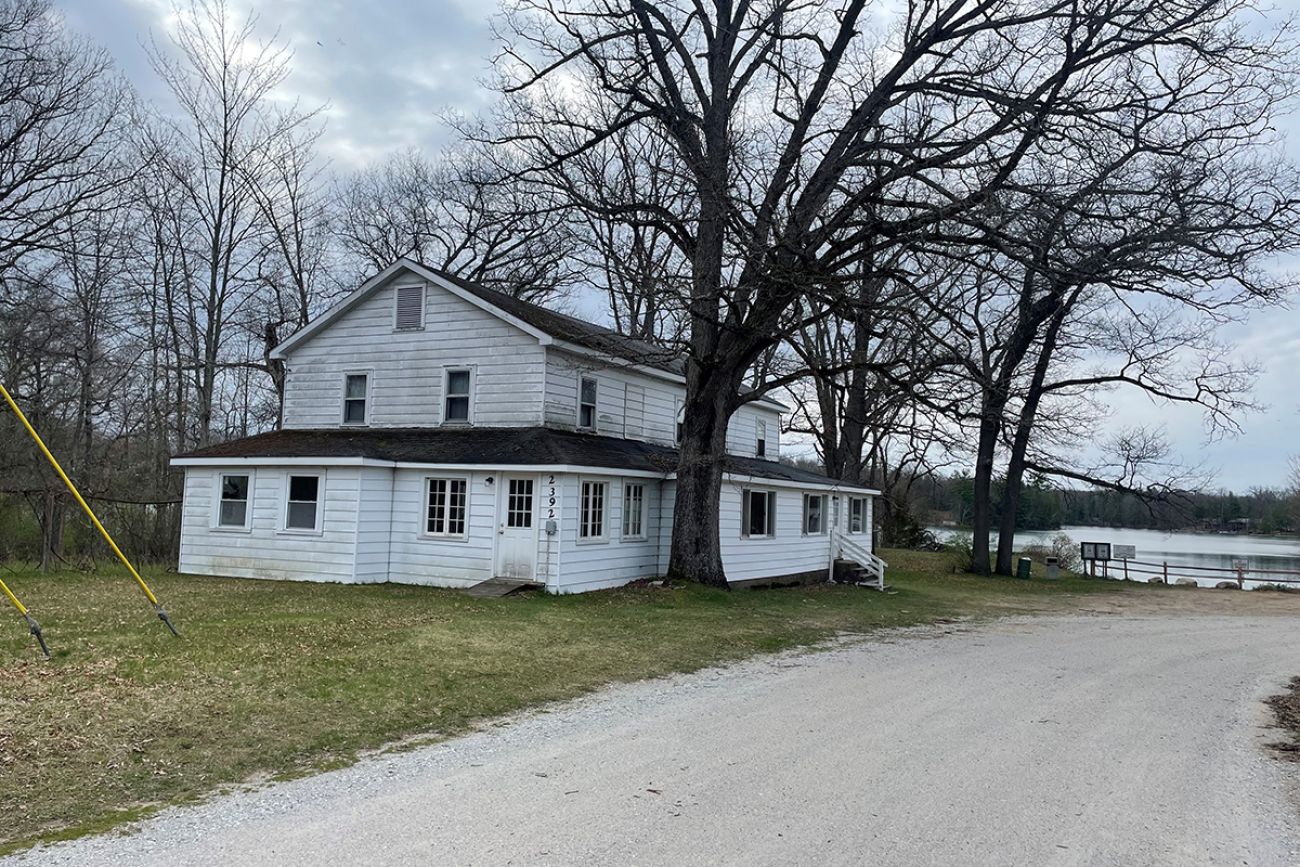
410	307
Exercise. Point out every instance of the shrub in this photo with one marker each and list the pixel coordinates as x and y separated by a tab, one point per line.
1060	546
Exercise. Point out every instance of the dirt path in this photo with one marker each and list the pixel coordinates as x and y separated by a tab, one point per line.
1089	739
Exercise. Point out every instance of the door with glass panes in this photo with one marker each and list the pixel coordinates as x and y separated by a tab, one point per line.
517	528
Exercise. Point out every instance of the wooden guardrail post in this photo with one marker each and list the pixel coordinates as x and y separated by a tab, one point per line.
1241	578
1166	570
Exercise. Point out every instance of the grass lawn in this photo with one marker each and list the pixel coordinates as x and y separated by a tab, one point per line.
277	679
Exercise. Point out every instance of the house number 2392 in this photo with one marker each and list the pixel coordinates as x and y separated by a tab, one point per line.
550	498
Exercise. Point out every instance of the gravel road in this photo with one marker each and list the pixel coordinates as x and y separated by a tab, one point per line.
1100	740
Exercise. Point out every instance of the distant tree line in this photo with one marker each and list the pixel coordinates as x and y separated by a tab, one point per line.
950	499
947	232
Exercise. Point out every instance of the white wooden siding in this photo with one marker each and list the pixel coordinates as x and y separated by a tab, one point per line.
788	552
265	550
406	367
633	405
588	565
374	528
417	558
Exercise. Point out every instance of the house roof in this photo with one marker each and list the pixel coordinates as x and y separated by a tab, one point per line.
551	325
574	330
518	446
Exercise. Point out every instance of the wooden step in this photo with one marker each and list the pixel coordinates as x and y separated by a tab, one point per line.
497	587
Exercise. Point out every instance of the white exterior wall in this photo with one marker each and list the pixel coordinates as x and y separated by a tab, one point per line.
613	561
406	368
789	552
265	549
632	405
418	558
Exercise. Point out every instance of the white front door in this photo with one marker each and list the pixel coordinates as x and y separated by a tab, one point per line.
517	528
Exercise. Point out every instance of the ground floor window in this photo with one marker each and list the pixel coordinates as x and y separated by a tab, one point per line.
633	510
233	510
758	513
446	507
857	514
302	509
814	514
591	517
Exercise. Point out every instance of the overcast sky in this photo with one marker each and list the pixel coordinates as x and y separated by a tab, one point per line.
389	69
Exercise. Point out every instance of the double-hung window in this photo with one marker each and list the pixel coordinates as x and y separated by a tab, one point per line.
758	514
591	512
587	402
760	445
232	511
633	510
814	514
681	422
446	505
356	394
302	508
458	387
857	514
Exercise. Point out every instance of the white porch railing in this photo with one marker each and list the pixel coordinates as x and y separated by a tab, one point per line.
847	548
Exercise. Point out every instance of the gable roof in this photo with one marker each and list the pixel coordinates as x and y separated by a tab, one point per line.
548	326
518	446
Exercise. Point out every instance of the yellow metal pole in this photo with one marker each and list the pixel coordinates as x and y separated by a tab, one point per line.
26	615
90	513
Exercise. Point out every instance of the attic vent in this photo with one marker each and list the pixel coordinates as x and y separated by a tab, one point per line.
410	307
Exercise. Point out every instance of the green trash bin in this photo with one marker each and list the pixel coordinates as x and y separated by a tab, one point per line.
1023	567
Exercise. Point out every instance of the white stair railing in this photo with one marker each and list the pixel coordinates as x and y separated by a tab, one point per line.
848	548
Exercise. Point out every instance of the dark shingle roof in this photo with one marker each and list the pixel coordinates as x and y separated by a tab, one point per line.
493	446
586	334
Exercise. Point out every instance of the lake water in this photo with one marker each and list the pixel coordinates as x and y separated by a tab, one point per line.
1154	547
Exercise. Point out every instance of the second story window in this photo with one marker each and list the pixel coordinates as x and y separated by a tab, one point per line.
760	446
356	393
587	402
457	389
408	307
681	421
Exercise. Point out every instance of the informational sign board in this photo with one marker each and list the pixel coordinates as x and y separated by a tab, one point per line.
1095	550
1124	552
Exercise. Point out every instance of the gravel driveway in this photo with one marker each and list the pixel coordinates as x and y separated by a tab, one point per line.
1107	740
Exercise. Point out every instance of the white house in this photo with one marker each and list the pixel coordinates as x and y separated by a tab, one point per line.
438	432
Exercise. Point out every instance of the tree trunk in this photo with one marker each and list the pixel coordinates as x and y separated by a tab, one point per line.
51	531
696	553
982	511
1020	444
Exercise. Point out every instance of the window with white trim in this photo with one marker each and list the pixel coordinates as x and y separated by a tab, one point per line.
857	514
591	513
760	445
356	397
633	510
408	307
302	506
587	402
232	511
757	514
458	387
681	422
445	507
814	514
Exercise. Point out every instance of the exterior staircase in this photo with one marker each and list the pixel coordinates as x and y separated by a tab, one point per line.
855	564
